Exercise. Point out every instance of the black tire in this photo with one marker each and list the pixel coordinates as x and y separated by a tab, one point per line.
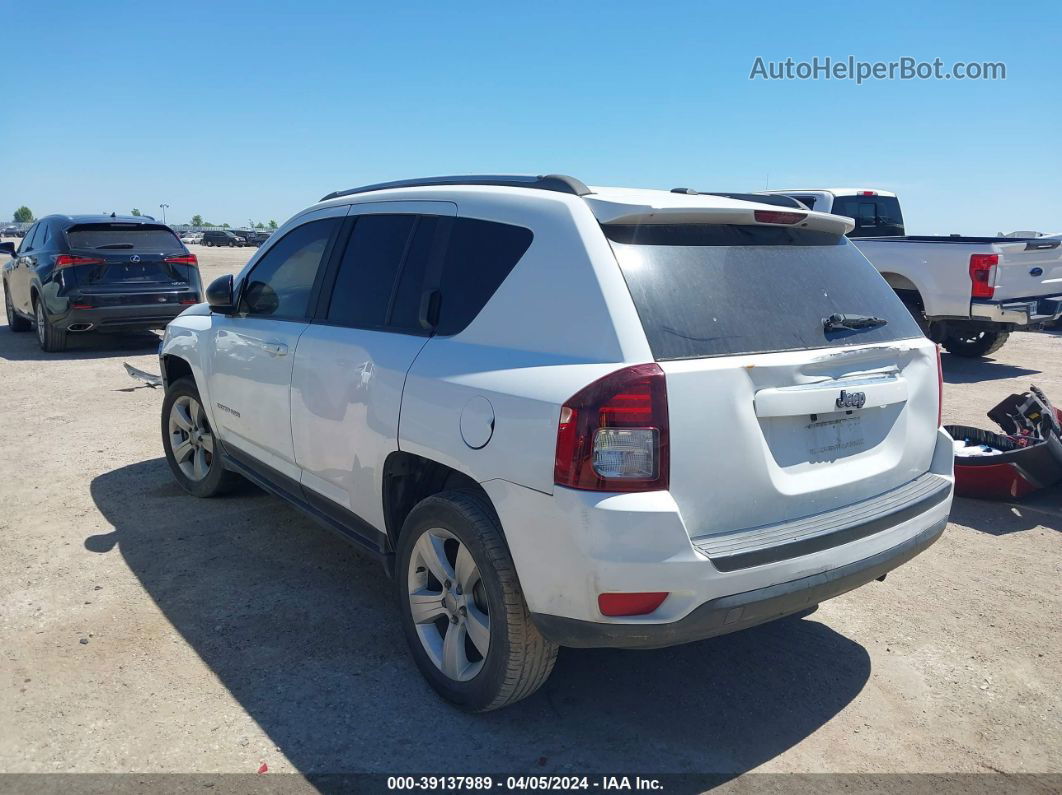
974	345
51	338
208	243
217	480
518	659
15	321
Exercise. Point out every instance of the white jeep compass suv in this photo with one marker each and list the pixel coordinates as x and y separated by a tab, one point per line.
569	416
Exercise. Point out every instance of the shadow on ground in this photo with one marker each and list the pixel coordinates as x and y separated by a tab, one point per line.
1002	518
23	347
960	370
304	634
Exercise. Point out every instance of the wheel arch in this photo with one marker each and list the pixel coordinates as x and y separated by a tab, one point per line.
409	478
900	283
174	367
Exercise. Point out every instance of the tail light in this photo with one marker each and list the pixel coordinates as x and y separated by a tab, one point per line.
982	269
613	434
940	390
69	260
185	259
189	301
778	217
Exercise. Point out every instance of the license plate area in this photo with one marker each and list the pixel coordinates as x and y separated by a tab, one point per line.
835	436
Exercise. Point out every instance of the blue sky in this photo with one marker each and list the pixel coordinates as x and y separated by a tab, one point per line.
255	110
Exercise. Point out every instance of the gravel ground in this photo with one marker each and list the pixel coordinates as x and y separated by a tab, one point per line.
142	630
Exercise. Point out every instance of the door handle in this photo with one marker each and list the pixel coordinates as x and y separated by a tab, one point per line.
275	348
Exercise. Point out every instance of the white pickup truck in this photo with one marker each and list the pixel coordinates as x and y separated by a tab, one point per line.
968	293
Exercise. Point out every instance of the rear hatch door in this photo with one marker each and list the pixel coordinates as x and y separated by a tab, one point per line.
772	416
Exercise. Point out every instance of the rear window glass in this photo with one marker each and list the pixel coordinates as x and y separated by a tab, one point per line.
123	236
875	216
718	290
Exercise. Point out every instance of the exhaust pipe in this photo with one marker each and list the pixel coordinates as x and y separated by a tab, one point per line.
79	327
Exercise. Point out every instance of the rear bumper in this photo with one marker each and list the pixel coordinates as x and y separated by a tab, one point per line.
120	318
572	546
1018	311
738	611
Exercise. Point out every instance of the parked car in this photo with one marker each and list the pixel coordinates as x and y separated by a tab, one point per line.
82	273
968	293
253	237
223	238
192	237
258	237
569	416
12	231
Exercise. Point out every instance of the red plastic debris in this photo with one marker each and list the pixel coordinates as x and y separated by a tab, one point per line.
263	768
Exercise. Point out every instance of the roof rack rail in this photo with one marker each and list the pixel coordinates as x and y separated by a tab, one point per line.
761	198
555	182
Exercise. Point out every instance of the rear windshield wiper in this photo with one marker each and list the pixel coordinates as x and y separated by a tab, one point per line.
838	322
115	245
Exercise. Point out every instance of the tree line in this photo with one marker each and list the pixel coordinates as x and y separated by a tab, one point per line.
24	215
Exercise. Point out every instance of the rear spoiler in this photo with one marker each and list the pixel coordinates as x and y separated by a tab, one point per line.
698	211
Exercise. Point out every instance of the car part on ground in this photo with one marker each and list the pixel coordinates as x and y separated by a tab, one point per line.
153	381
1024	459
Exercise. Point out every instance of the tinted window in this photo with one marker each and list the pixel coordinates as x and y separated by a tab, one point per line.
807	201
368	270
405	309
123	237
27	241
281	282
874	215
479	257
716	290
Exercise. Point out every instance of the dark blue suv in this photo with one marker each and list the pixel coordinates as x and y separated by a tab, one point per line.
82	273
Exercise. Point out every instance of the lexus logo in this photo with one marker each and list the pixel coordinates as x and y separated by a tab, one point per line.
851	400
135	258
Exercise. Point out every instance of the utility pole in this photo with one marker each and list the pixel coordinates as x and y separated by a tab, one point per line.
163	207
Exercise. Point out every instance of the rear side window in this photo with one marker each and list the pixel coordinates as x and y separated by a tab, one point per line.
119	236
27	241
875	216
717	290
369	269
479	257
282	281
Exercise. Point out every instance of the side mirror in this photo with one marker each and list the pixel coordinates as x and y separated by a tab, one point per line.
8	248
220	296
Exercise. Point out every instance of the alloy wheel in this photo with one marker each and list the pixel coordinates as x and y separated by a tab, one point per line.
448	604
191	440
41	320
